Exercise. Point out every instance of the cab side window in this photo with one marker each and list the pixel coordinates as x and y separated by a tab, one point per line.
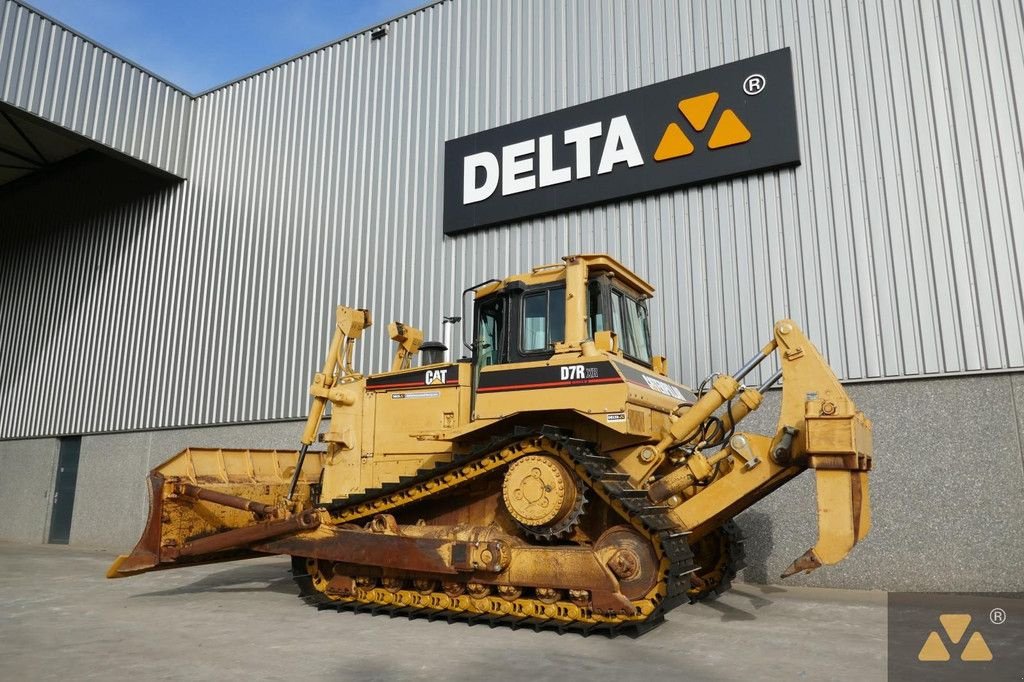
629	318
638	337
617	323
543	319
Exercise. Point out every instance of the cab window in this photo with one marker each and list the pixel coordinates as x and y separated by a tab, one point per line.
490	333
543	319
638	335
594	308
617	326
629	320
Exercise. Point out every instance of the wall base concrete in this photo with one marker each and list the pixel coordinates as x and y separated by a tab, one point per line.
947	488
947	492
27	471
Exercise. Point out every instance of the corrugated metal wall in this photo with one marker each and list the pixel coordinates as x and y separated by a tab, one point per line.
897	244
57	75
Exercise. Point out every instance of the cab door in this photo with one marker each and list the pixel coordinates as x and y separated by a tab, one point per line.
490	342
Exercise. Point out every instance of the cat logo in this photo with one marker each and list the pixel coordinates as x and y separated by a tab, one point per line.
697	110
955	625
436	376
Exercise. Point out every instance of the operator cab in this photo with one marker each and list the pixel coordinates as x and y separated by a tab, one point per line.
523	318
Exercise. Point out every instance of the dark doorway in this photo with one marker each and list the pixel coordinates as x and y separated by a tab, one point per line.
64	490
51	178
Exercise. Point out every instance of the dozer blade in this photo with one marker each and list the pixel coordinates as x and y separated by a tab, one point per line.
212	505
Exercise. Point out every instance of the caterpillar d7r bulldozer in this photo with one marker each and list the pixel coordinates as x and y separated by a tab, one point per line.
556	478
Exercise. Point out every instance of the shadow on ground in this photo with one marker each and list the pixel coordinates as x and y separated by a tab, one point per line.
241	578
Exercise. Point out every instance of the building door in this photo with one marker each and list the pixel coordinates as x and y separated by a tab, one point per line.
64	490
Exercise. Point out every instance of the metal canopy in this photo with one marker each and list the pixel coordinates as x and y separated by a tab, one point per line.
51	176
27	147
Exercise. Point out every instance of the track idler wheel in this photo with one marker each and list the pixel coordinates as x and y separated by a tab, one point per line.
631	558
543	496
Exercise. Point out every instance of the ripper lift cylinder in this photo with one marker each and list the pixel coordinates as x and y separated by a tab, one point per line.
723	389
749	400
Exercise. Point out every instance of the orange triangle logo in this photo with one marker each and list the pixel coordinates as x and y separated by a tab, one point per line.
729	131
955	625
697	110
933	649
674	143
976	649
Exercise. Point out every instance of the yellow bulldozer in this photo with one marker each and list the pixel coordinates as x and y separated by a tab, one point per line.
557	478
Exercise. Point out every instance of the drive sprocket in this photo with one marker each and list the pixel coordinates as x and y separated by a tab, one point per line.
544	497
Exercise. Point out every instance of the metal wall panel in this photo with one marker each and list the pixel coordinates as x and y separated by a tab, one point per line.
897	244
51	72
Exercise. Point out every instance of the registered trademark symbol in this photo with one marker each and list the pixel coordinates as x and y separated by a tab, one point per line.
997	616
754	84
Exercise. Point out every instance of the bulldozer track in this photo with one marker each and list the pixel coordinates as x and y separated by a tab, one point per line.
598	472
718	579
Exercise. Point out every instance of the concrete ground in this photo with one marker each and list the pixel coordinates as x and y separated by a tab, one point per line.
60	619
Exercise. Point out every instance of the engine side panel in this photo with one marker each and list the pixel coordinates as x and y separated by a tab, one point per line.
402	418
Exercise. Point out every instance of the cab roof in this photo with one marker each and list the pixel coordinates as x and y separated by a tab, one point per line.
596	262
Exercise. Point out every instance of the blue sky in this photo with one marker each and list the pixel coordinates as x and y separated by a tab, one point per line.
198	44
